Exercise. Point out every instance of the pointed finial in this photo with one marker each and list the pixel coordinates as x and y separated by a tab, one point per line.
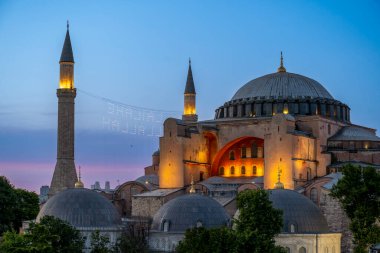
68	25
281	68
189	61
279	185
79	183
192	189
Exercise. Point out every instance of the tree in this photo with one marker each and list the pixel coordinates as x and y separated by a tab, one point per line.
256	227
359	193
218	240
133	239
258	222
16	206
100	243
7	201
50	235
26	207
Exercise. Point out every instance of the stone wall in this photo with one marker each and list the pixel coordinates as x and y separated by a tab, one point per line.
312	243
336	218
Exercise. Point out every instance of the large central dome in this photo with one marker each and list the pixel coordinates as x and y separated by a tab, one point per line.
282	85
283	92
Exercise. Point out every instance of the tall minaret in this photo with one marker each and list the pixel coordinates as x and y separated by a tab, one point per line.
189	109
65	175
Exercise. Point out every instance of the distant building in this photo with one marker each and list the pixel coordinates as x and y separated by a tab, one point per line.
44	191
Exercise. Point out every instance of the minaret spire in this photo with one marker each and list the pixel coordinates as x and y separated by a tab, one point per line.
281	68
192	188
278	184
65	175
189	110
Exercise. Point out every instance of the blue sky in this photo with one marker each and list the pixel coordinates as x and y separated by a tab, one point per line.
136	53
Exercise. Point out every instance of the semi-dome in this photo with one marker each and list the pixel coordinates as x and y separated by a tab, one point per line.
282	85
300	214
81	208
283	92
188	211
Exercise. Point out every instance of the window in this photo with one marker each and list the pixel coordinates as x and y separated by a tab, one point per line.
232	155
328	129
243	170
326	250
243	152
314	195
260	152
199	224
302	250
287	249
292	228
232	171
166	226
254	150
221	171
254	170
308	173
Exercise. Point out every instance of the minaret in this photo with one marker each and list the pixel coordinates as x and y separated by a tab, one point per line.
65	175
189	109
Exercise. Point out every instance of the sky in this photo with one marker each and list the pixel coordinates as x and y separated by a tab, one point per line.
131	60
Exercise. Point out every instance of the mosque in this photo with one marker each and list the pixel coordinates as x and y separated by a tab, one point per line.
282	132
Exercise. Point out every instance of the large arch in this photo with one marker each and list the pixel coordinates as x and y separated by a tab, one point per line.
222	157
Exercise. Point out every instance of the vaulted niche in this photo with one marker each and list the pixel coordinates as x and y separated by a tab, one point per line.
242	157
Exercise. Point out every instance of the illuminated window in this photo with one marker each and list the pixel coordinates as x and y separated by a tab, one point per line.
314	195
302	250
243	170
243	152
221	171
232	170
232	155
254	170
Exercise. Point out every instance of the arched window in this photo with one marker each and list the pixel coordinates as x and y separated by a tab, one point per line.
326	250
314	195
308	170
232	171
260	152
287	249
333	249
292	228
232	155
166	226
302	250
254	170
243	152
254	150
243	170
221	171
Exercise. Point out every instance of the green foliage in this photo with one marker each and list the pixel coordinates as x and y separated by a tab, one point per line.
256	227
100	243
50	235
218	240
133	240
359	193
16	206
26	207
7	201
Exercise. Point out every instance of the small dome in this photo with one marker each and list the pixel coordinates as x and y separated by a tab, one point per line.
81	208
300	214
282	85
188	211
156	153
298	211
